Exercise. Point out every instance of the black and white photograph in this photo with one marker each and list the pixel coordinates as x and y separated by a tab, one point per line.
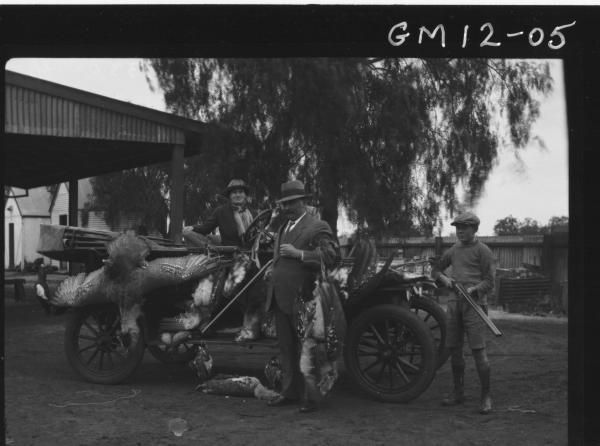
241	236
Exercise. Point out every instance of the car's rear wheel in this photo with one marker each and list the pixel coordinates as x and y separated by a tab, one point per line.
390	353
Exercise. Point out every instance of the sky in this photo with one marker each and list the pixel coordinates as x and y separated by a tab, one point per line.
534	184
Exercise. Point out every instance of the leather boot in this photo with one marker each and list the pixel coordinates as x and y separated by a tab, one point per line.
458	394
486	400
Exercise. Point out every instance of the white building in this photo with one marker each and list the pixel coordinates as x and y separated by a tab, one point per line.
24	211
59	208
24	214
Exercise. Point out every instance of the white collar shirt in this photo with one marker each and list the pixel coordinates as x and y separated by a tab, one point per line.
292	223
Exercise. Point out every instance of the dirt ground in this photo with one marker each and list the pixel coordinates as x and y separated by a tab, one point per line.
47	403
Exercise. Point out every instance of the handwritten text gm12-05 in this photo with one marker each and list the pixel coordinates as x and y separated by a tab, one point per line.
556	39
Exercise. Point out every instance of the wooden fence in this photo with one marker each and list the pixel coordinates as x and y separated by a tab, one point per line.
550	253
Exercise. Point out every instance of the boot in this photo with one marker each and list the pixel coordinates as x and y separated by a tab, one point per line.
458	394
486	400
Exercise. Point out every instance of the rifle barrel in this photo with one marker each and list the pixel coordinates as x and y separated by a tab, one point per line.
458	287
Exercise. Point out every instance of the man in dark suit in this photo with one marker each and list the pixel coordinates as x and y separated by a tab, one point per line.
302	241
232	218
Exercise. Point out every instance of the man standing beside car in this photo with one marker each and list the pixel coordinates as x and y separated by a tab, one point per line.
472	265
303	242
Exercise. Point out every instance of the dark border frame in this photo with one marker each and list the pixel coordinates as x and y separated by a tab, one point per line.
185	30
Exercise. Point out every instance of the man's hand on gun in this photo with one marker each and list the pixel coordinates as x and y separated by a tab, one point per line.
471	290
482	312
450	283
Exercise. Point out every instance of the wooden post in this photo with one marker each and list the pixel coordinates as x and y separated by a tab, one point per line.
547	255
19	289
73	205
176	211
11	246
73	198
439	246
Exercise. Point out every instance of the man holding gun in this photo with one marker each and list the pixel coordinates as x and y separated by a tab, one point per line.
472	265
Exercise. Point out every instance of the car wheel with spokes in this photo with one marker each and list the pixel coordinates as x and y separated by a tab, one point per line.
390	354
97	349
435	317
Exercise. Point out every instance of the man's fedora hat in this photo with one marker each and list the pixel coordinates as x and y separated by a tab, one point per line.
236	184
467	218
292	190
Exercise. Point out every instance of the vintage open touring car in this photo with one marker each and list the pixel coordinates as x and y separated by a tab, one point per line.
190	295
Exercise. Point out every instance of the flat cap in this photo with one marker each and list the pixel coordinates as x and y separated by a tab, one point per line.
466	218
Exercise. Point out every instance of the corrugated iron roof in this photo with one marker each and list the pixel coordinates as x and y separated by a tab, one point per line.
54	133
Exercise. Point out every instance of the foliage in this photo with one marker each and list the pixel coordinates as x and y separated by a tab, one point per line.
555	222
528	226
390	139
506	226
140	192
85	214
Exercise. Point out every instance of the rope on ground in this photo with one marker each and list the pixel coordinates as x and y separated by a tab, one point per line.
250	415
518	409
134	393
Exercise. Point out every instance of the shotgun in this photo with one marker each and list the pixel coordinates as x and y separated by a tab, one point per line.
461	291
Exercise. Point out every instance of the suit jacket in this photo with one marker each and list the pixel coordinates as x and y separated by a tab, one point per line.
292	278
223	218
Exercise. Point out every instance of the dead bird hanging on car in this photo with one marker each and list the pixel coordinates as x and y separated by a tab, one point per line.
127	276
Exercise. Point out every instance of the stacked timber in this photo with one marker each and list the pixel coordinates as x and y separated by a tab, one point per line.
76	244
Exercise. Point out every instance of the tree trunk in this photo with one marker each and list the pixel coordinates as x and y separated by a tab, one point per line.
176	211
330	215
329	207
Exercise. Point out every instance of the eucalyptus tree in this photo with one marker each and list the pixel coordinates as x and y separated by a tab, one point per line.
141	192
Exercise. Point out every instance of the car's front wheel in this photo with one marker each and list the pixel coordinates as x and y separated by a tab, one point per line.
97	349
